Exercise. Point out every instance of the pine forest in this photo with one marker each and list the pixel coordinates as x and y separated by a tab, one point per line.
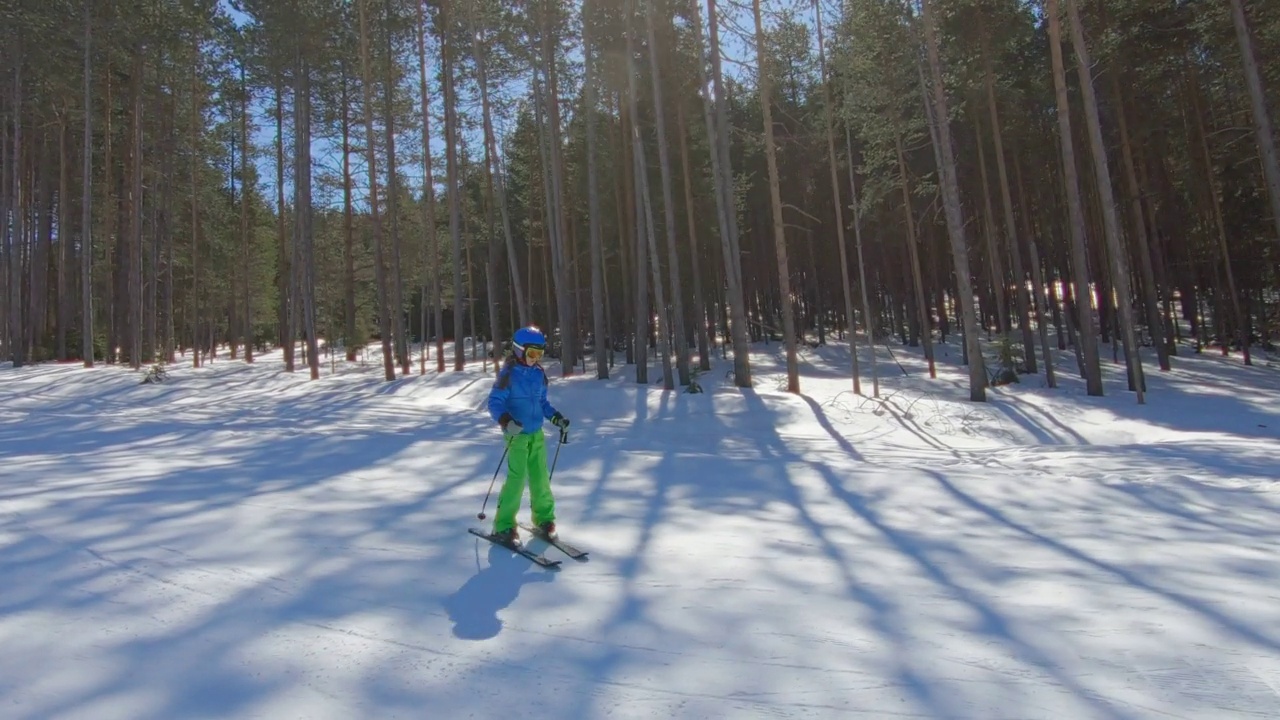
652	182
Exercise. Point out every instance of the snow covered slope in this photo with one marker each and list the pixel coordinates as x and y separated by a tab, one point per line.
239	542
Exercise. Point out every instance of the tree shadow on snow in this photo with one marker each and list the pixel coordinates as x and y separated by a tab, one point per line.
289	510
891	620
1222	619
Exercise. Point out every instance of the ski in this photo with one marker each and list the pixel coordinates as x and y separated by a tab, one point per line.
561	545
520	549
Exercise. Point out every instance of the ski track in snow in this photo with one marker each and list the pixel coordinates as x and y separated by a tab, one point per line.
242	542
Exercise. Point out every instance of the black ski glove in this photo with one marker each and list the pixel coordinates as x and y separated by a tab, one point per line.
509	425
560	421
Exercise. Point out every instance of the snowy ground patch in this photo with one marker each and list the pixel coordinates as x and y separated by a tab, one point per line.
242	542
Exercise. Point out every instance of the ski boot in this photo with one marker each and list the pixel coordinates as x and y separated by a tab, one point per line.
507	537
548	528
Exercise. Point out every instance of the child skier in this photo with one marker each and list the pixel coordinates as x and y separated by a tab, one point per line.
518	403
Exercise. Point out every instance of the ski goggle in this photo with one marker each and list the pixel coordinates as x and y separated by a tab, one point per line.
533	353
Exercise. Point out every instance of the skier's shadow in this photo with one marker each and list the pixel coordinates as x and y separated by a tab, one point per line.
474	607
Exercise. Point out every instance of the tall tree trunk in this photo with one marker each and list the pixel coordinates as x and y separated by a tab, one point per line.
159	229
233	318
348	230
1006	202
493	282
953	212
723	136
913	257
568	249
862	273
700	309
429	198
246	248
135	220
401	337
549	214
42	191
1110	218
170	323
818	312
64	240
714	112
17	334
668	205
8	243
304	248
1149	288
1037	280
845	286
625	203
195	210
493	159
1214	193
119	258
296	322
86	198
1172	332
1258	104
110	231
559	234
775	200
645	230
156	220
1088	339
284	271
384	320
999	284
41	247
451	168
468	240
599	294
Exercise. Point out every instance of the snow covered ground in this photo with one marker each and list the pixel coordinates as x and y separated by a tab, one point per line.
239	542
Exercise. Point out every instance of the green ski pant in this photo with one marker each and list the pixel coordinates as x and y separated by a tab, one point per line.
526	458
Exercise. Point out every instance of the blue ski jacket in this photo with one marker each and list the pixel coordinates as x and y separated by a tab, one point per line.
521	391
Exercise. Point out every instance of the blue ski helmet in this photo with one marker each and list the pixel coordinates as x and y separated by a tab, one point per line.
528	337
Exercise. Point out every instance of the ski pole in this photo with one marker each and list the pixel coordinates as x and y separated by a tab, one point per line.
564	438
494	480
